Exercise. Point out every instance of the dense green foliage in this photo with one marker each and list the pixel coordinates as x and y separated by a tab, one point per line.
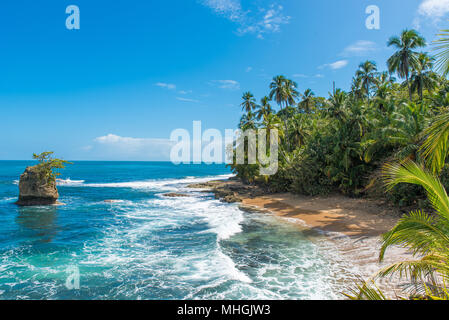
425	235
381	132
48	166
340	142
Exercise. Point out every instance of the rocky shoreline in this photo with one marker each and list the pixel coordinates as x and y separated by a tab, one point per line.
230	191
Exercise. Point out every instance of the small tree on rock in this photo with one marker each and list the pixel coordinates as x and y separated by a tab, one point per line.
48	166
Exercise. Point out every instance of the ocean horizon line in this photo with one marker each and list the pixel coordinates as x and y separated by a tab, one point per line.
122	161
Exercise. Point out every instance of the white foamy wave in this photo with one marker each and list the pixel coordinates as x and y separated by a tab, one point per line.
154	229
156	185
230	266
223	219
68	182
7	199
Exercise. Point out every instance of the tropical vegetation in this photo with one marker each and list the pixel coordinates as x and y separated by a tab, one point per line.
388	136
48	166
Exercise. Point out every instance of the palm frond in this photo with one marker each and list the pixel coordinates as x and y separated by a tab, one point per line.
436	146
415	270
366	291
410	172
417	231
442	45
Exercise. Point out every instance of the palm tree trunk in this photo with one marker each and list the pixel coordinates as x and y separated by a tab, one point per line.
367	93
286	127
409	89
421	89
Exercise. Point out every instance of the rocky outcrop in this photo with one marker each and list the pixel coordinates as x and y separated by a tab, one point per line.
231	190
34	190
175	195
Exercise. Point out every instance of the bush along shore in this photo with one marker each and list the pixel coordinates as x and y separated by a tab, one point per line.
387	137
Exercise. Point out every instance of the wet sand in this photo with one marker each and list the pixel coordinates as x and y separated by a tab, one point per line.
352	217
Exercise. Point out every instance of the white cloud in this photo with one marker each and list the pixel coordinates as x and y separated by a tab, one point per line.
231	9
249	69
227	84
113	146
434	8
115	139
359	48
258	22
166	85
187	100
120	148
335	65
274	18
185	91
431	11
338	64
300	75
304	76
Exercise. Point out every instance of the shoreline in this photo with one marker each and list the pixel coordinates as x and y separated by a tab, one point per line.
334	213
351	228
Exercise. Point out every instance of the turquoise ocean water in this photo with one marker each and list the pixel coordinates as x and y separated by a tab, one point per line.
148	246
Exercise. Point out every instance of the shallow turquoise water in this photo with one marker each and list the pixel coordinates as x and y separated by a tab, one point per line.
148	246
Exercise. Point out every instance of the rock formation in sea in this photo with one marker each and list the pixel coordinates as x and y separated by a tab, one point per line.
175	195
35	190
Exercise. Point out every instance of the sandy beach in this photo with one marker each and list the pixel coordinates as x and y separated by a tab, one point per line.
352	217
351	227
335	213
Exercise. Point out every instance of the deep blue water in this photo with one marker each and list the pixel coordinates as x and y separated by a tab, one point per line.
147	246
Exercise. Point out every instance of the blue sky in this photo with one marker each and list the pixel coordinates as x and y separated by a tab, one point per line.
136	70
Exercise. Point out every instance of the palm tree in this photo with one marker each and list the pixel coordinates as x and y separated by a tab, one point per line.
426	236
405	130
423	76
384	84
357	88
249	102
284	93
367	74
298	129
264	109
405	59
247	121
291	92
272	122
385	78
336	104
307	98
277	92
